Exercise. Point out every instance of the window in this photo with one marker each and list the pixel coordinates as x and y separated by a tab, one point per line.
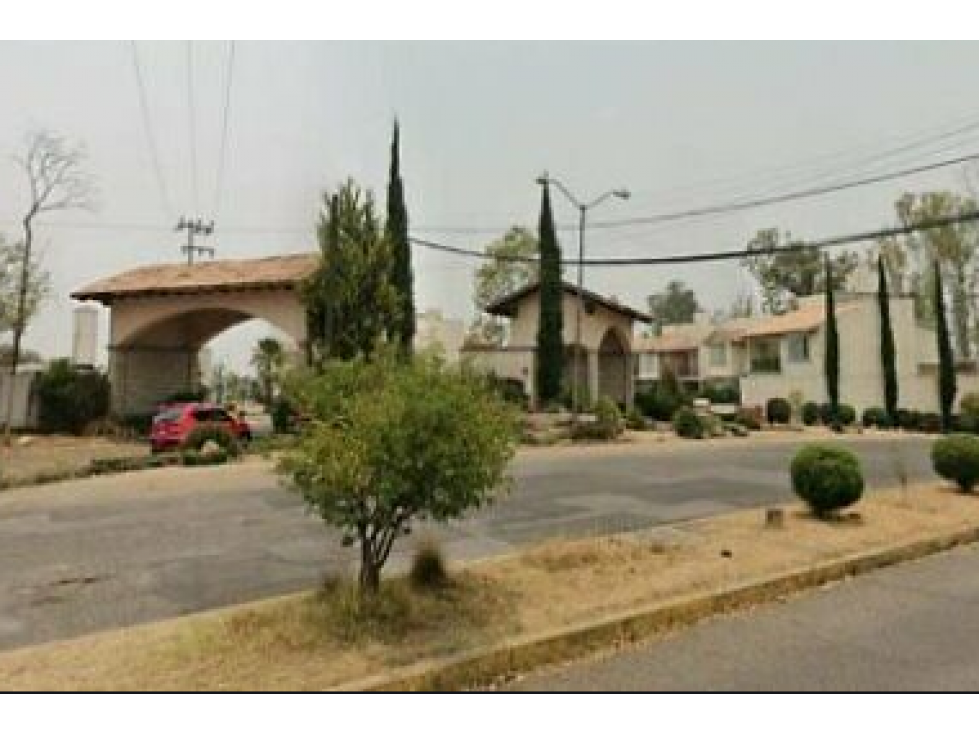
765	356
798	347
718	355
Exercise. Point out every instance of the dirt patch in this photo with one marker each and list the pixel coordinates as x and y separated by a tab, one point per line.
53	456
321	640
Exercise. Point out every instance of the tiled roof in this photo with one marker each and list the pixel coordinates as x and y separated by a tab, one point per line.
669	342
281	271
807	318
504	306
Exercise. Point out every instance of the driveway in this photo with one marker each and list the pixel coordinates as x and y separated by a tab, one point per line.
105	552
908	628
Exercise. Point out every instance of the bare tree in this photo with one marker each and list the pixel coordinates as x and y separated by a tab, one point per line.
57	182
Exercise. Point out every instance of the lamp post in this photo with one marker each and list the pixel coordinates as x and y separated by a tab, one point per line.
583	208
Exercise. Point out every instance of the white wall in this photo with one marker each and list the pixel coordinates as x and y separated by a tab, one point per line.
24	413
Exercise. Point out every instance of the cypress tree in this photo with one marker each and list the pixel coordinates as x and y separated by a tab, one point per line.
887	352
831	364
946	365
396	230
550	347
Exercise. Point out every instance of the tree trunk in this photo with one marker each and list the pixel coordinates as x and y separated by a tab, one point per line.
370	566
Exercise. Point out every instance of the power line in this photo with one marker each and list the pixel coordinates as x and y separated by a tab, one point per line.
192	121
219	184
827	243
150	138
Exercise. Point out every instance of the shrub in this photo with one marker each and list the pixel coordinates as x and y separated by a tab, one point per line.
967	423
957	458
846	414
970	404
139	423
750	418
392	442
635	421
283	415
875	418
929	423
827	478
778	410
608	417
905	419
511	390
659	404
428	569
69	398
687	424
198	438
810	413
722	394
826	416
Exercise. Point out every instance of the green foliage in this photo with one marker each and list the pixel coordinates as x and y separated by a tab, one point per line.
784	267
946	360
70	398
500	275
38	284
778	411
827	478
687	424
511	390
846	415
930	423
969	405
956	458
396	233
350	301
967	423
268	359
283	415
876	418
677	304
827	414
204	433
831	365
907	419
394	441
664	398
888	356
635	420
724	394
190	395
810	413
549	363
428	569
608	423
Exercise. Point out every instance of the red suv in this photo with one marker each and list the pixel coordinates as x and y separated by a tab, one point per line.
174	422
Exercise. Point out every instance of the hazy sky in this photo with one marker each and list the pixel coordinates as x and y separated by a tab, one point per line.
679	123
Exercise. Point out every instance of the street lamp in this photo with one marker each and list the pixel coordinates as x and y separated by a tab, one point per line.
545	180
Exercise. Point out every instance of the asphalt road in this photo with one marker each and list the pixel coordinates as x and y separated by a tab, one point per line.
105	552
908	628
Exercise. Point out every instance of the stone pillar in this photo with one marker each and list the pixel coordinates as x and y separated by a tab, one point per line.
593	381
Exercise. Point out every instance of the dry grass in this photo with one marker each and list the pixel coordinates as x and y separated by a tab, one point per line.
319	640
57	455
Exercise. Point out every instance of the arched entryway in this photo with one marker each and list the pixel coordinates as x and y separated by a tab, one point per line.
613	367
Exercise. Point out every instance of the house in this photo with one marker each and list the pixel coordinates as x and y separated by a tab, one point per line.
603	360
784	355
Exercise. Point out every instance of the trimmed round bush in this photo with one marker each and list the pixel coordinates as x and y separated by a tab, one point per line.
778	410
846	414
687	424
810	413
876	418
827	478
956	458
202	434
969	404
905	419
826	416
967	423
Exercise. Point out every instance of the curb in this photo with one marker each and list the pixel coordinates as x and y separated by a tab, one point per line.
523	654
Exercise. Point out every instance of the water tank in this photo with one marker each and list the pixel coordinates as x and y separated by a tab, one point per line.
86	336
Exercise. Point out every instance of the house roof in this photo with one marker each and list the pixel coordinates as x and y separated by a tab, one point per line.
679	341
806	318
280	271
505	306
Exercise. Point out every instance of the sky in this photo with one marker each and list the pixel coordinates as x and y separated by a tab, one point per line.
680	124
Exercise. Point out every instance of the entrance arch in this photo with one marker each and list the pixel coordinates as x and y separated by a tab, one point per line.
613	367
161	316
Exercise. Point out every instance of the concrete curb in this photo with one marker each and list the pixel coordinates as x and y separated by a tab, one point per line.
524	654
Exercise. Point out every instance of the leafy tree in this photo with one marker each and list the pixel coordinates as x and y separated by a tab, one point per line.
888	357
743	306
38	286
396	230
946	360
677	304
350	300
268	359
69	398
501	275
832	356
392	442
550	347
785	267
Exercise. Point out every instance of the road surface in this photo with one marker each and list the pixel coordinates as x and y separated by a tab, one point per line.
908	628
105	552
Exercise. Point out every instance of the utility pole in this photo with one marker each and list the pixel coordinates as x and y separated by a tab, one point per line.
194	228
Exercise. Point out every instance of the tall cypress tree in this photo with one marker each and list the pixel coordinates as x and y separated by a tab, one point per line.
946	364
396	230
831	365
887	352
550	347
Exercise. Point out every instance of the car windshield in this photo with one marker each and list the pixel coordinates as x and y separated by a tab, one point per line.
168	416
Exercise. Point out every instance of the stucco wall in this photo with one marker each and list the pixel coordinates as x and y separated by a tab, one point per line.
523	328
